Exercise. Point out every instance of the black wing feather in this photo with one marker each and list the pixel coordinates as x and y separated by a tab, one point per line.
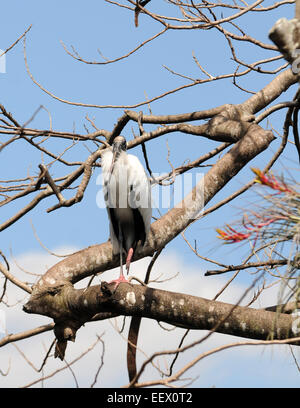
114	222
139	226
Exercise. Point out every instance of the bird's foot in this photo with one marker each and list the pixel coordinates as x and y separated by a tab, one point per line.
121	279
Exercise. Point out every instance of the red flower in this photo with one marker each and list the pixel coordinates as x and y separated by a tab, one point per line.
231	234
271	181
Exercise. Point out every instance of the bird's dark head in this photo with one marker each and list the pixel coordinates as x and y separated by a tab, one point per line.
119	145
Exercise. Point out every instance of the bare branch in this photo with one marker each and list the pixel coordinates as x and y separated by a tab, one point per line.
77	57
14	280
16	42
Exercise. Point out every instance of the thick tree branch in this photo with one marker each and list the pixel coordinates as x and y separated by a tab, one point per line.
76	306
270	92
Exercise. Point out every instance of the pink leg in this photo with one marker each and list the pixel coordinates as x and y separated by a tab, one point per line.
121	278
128	259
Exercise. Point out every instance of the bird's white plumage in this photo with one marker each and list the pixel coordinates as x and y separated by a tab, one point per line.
127	187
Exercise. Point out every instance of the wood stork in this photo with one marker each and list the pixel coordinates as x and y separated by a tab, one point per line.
127	194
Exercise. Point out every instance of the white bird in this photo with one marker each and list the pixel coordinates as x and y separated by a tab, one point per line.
127	194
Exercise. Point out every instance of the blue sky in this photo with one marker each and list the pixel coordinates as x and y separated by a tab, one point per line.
94	25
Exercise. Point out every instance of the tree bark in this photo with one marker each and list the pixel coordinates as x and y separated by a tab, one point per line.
71	308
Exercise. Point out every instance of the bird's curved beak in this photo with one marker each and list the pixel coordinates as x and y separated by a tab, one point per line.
113	162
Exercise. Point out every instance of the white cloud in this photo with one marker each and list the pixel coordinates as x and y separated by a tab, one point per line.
258	365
